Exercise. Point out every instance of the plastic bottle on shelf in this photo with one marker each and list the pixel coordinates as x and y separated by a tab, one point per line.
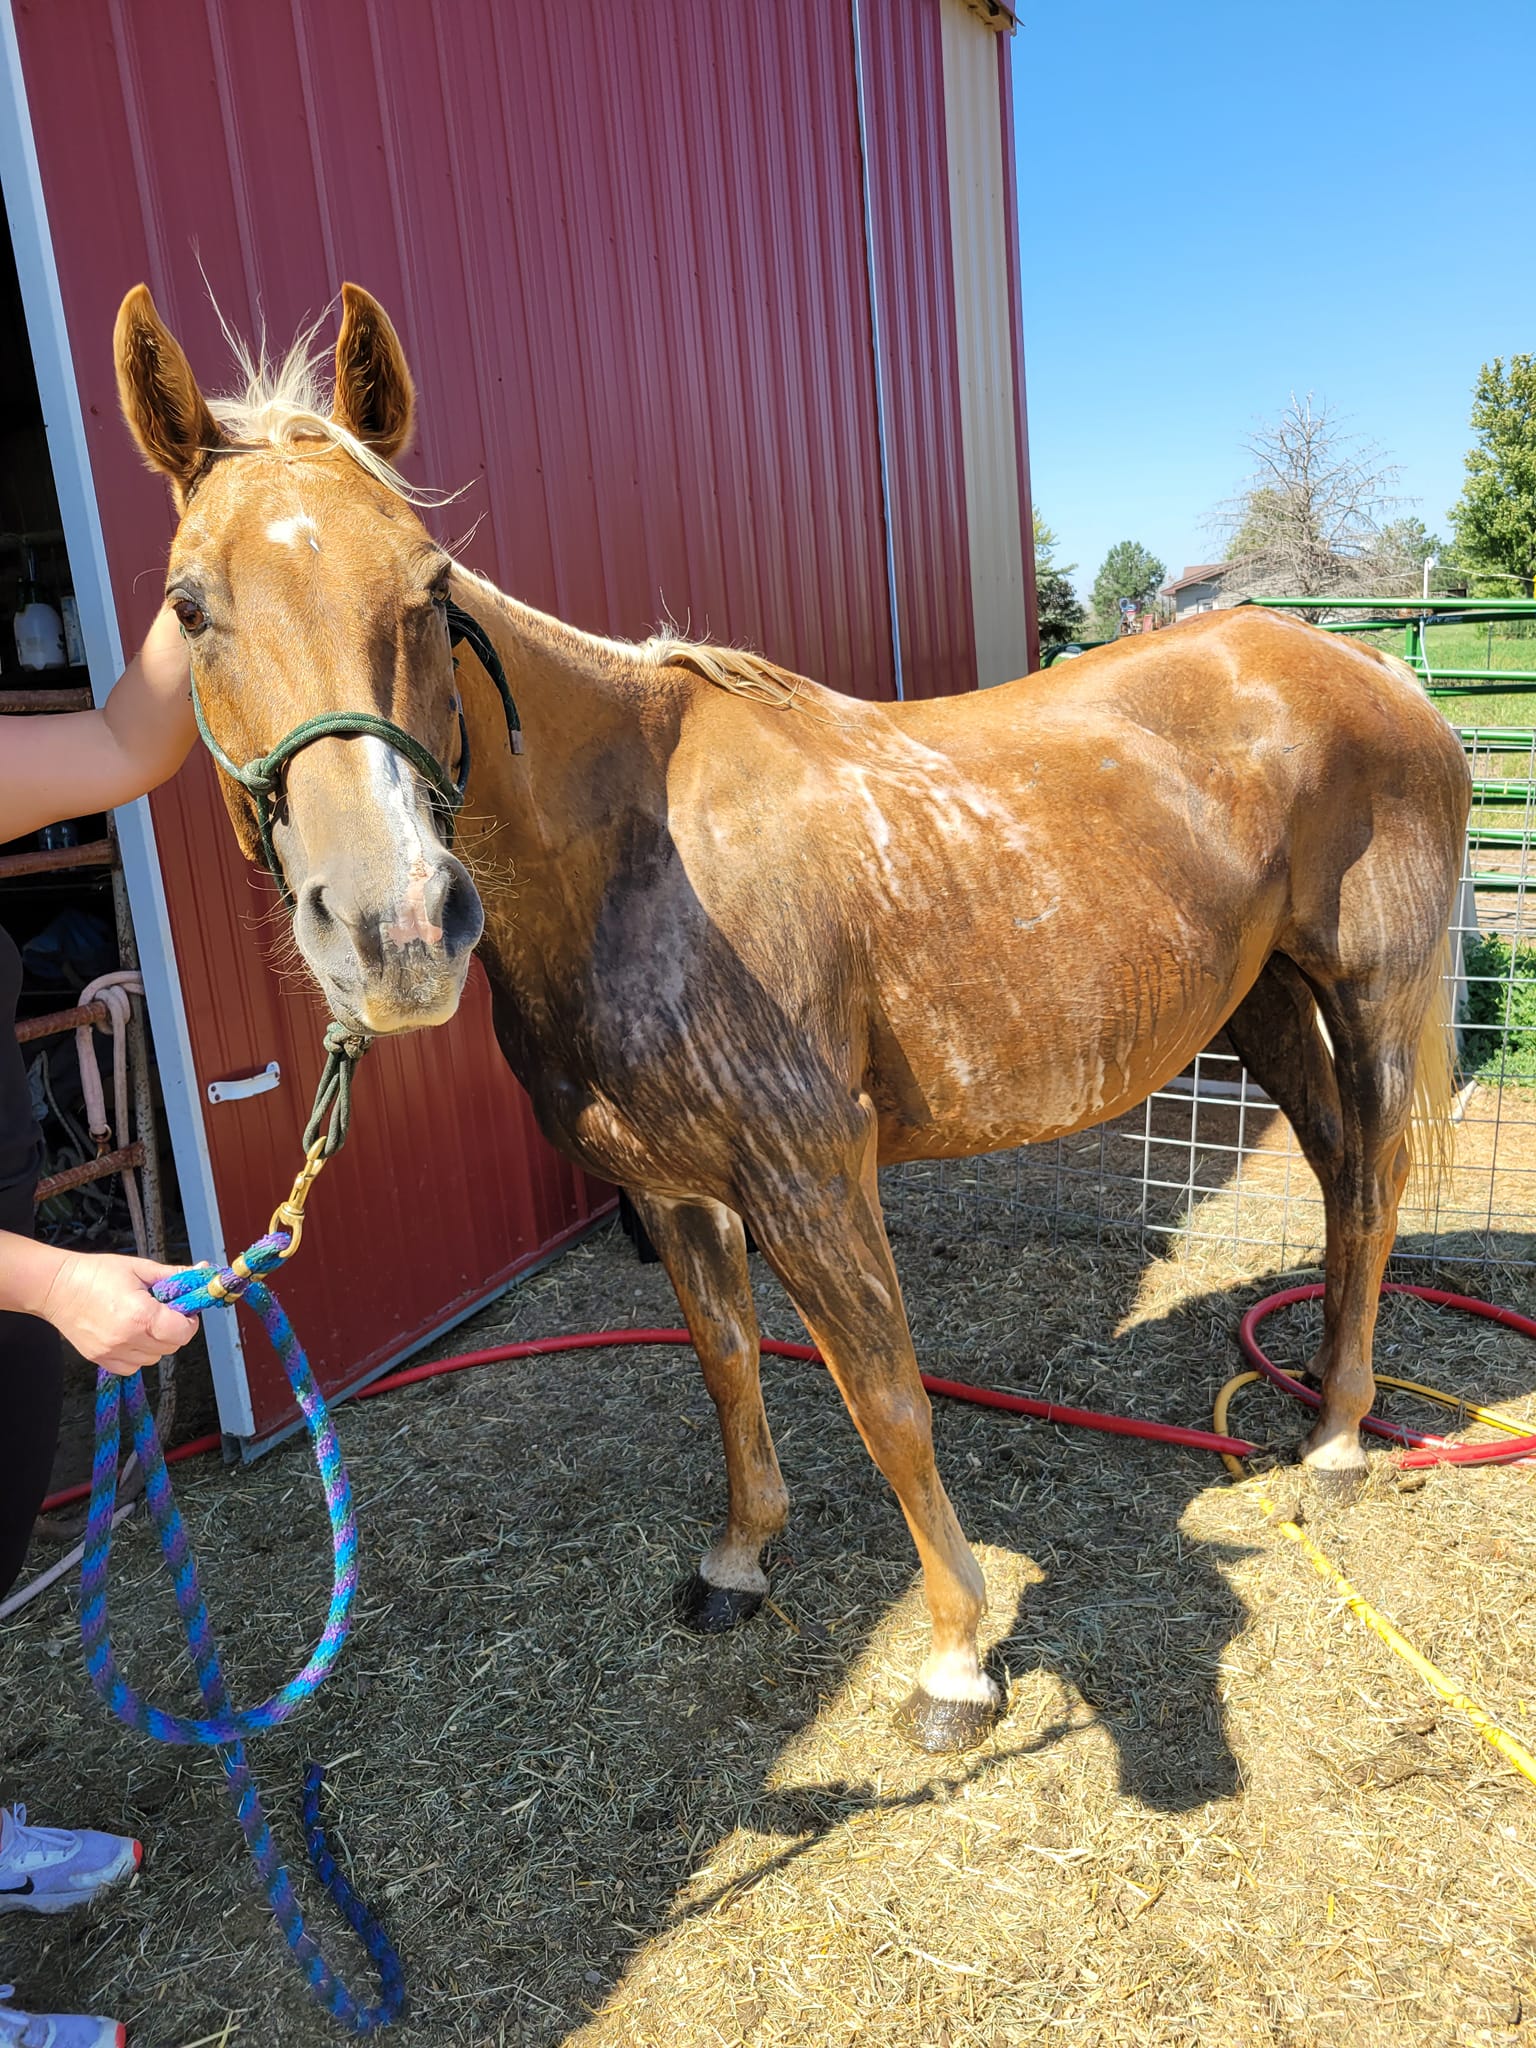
38	627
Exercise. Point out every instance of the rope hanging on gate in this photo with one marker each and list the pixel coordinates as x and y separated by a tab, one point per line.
226	1729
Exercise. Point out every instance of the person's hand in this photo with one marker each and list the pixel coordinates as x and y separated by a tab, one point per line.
103	1305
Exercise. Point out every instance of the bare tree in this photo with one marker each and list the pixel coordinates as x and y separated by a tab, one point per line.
1310	520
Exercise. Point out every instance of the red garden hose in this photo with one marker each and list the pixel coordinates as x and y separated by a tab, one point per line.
604	1340
1428	1450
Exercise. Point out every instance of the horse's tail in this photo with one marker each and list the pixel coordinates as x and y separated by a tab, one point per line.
1433	1140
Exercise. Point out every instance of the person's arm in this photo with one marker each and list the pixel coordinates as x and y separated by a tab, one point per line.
100	1302
75	763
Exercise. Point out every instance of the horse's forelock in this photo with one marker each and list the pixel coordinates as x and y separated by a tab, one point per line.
285	402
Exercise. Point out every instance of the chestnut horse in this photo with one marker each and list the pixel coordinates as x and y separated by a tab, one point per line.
748	939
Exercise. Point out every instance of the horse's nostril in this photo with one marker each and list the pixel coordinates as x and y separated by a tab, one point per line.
461	917
315	907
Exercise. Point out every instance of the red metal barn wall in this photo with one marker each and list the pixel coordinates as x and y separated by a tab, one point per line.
627	255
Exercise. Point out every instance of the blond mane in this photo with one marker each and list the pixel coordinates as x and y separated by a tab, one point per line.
736	669
286	403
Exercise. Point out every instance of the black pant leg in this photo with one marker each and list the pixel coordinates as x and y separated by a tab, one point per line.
31	1400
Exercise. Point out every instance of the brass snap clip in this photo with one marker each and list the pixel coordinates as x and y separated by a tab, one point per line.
289	1215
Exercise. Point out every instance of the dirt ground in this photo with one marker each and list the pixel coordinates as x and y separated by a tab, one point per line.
1216	1810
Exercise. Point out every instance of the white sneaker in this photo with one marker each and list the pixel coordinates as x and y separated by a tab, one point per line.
56	2029
50	1870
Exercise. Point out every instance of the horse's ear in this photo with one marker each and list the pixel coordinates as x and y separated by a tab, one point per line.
161	402
375	398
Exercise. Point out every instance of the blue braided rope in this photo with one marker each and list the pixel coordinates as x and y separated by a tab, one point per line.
225	1729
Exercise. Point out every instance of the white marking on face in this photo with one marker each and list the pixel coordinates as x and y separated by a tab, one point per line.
395	790
287	533
413	921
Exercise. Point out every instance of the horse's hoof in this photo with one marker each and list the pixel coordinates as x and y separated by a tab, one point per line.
1337	1487
712	1610
945	1727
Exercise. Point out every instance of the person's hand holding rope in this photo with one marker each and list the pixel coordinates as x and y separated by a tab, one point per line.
98	1302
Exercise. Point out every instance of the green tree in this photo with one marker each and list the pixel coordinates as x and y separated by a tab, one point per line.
1060	614
1402	548
1258	515
1047	541
1062	617
1494	519
1129	570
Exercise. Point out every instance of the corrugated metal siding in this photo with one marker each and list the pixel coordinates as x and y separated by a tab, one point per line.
628	264
909	203
985	357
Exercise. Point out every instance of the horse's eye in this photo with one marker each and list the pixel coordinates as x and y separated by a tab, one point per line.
192	616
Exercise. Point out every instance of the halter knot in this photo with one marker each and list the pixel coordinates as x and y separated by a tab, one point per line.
342	1039
332	1112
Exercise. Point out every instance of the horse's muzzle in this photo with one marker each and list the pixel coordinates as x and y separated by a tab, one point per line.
396	965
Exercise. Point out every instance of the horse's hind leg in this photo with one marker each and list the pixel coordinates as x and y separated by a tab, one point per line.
1275	1032
1351	1115
1375	1050
821	1230
703	1247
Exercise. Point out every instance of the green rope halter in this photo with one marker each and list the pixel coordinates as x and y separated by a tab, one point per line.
262	779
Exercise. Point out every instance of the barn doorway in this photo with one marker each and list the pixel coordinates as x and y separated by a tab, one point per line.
108	1182
62	894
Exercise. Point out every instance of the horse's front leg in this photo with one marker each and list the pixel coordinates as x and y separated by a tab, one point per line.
703	1247
819	1224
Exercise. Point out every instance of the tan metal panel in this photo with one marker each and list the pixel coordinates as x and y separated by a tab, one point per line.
985	356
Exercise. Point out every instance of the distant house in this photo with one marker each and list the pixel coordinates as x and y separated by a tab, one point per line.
1198	589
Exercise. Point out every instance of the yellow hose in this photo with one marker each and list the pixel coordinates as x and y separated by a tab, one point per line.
1512	1751
1466	1408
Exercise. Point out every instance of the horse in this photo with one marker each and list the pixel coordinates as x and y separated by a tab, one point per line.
748	939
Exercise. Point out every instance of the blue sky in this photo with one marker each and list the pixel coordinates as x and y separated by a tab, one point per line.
1219	205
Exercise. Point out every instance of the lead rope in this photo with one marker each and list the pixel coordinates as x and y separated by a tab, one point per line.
226	1729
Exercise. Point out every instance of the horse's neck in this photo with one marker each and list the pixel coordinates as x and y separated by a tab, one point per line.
585	705
539	827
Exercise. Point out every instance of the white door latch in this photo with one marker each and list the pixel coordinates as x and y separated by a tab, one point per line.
252	1084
